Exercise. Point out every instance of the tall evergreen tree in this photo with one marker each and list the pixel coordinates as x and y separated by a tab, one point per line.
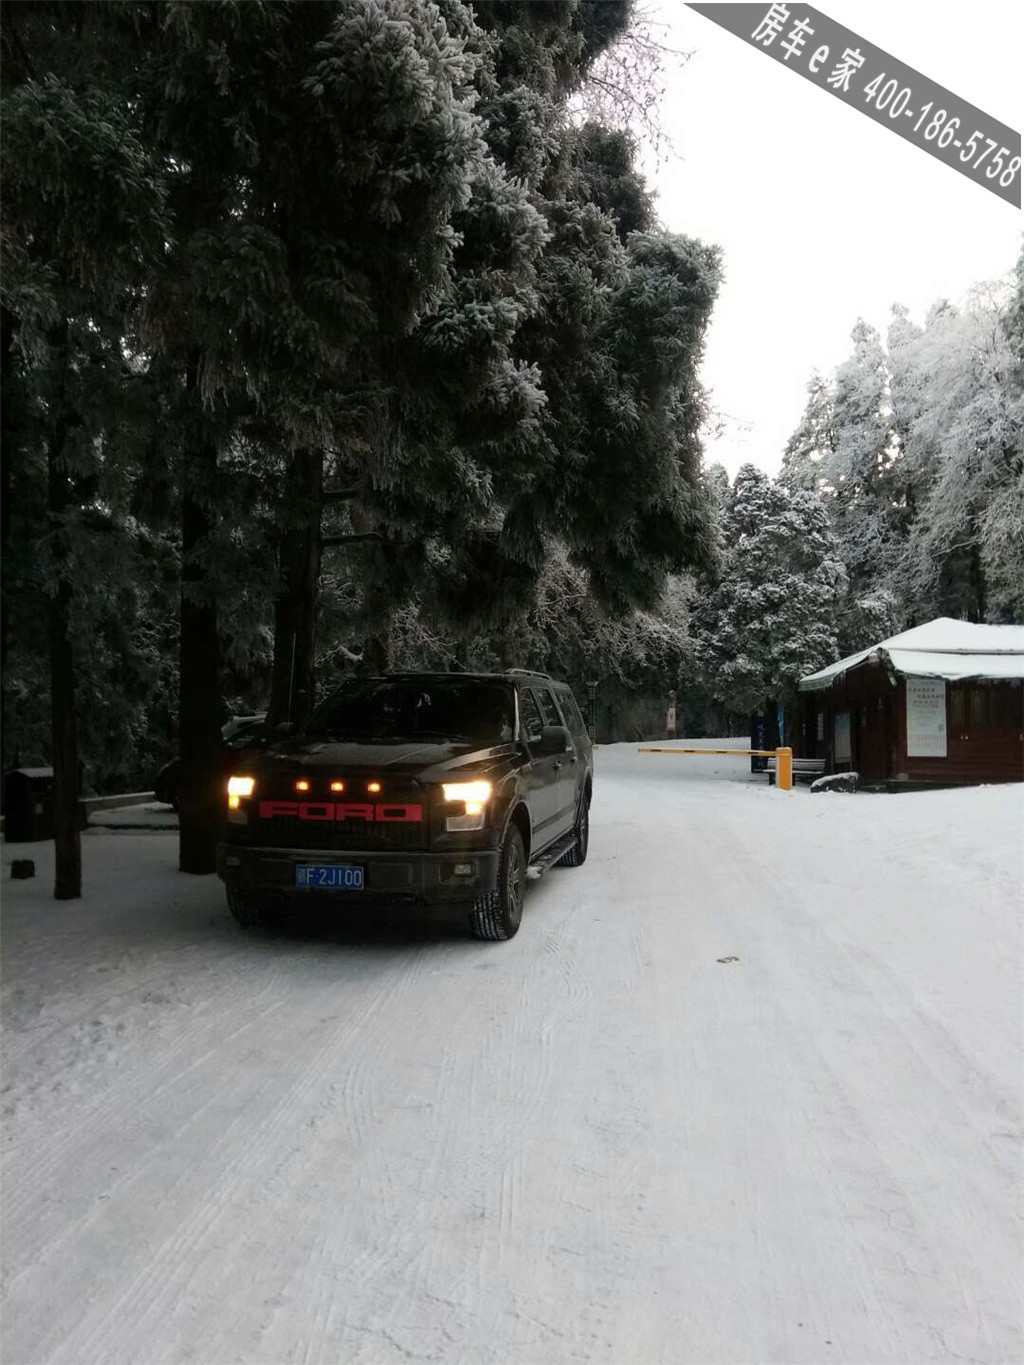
858	471
772	618
84	218
808	459
965	449
317	177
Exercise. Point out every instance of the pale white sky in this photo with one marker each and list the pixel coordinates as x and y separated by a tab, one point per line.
824	215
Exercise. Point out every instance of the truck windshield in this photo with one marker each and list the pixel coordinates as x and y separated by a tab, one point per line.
383	709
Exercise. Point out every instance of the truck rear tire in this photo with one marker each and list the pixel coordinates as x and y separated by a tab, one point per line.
498	915
577	855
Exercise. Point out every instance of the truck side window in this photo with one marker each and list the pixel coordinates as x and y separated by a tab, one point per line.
529	714
548	709
571	712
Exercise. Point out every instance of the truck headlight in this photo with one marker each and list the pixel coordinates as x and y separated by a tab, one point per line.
237	788
474	796
477	791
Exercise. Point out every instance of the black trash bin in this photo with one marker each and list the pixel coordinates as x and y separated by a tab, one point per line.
28	805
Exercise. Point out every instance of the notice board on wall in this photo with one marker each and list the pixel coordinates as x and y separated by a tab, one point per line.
926	718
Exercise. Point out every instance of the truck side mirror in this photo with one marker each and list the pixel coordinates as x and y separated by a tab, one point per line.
554	739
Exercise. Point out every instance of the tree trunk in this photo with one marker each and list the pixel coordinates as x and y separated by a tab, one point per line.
378	647
201	802
67	884
505	650
8	327
293	683
64	725
978	581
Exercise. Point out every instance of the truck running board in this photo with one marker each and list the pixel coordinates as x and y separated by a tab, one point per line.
543	861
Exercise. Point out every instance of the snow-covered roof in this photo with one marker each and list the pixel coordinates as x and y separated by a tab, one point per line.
943	648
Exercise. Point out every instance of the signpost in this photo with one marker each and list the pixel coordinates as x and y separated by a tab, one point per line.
592	697
758	741
670	719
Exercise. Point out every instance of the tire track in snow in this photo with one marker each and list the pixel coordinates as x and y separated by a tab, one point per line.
873	1190
356	1105
64	1147
394	1253
154	1289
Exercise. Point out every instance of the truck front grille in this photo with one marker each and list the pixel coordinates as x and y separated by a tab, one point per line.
289	831
348	834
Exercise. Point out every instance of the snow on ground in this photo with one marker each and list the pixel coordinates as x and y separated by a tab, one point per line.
746	1087
149	815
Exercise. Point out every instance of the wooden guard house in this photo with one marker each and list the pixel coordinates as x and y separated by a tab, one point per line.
942	703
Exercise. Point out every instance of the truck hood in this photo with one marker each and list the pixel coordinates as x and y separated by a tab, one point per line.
428	761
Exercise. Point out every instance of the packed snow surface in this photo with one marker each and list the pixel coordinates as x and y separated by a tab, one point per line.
746	1087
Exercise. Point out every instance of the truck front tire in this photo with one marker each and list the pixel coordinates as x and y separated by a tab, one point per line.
498	915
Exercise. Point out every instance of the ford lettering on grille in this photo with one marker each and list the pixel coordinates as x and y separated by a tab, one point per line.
382	812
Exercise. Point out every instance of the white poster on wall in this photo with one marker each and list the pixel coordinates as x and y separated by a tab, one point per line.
926	718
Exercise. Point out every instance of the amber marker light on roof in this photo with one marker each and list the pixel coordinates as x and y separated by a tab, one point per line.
337	786
373	786
302	785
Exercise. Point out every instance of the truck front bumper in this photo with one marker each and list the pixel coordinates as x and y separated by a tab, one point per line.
439	878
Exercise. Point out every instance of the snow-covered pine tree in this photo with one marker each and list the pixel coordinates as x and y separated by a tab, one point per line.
588	430
858	470
772	618
811	449
84	210
317	178
965	448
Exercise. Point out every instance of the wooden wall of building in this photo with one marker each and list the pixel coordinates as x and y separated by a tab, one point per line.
984	735
984	730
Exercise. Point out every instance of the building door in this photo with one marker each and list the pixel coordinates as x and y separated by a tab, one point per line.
873	739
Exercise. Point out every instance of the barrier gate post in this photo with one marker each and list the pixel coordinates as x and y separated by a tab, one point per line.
784	775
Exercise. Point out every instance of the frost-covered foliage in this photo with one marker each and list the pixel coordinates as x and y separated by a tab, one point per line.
772	618
917	450
636	658
624	87
965	553
364	240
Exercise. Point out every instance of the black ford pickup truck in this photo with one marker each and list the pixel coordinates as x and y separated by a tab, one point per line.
425	788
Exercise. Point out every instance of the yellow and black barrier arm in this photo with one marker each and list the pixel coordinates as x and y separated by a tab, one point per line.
784	757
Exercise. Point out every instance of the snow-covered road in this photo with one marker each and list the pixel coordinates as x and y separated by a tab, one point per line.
746	1087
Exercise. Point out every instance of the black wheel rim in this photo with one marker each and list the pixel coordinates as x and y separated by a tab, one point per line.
583	829
514	883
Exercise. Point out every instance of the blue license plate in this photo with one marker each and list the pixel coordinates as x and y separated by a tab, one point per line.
328	877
